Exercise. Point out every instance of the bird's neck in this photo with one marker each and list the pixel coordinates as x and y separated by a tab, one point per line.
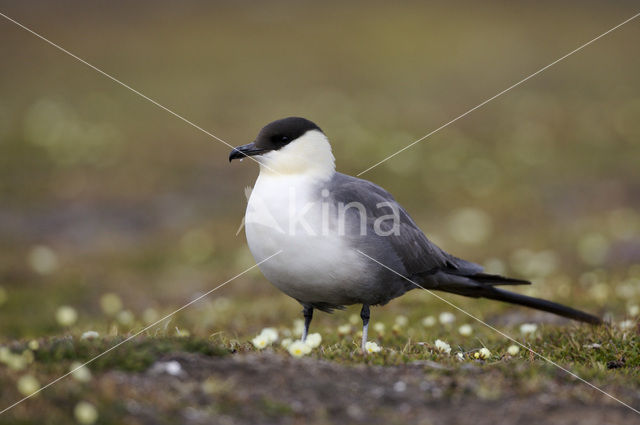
309	156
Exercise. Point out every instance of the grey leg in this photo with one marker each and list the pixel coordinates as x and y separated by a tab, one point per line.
364	314
307	312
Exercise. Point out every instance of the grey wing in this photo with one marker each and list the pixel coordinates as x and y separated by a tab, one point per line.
407	243
410	249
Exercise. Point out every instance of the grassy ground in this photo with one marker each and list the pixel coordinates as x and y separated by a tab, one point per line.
223	378
114	214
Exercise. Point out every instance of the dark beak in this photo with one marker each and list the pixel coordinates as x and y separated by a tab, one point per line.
245	150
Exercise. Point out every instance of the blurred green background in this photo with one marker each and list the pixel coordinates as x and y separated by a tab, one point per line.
101	192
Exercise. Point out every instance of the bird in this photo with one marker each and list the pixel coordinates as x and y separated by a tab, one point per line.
342	240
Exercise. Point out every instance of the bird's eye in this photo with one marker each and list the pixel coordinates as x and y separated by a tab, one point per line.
284	138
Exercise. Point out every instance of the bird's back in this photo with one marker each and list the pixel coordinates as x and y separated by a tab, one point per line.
397	238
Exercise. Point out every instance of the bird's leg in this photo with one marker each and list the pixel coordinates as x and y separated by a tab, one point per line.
307	312
364	314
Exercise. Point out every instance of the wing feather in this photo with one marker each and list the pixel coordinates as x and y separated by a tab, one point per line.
409	244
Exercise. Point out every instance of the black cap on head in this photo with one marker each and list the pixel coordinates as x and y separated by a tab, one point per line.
274	136
278	134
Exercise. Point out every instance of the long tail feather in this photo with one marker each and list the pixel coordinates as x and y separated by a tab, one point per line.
482	285
539	304
494	279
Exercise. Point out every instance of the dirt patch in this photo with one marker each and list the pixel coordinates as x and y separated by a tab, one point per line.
272	389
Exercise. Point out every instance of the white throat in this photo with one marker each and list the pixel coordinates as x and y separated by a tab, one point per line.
309	155
285	214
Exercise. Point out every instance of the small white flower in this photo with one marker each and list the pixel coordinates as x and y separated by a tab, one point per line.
33	345
125	318
286	342
299	349
85	413
378	327
313	340
633	310
80	372
266	337
372	347
528	328
626	325
465	330
90	335
446	318
483	353
173	368
150	315
66	315
400	387
16	362
260	342
271	334
460	356
12	360
344	329
428	321
43	260
442	346
401	321
354	319
27	385
110	303
513	350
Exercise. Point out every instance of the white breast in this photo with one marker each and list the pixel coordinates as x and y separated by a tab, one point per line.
286	213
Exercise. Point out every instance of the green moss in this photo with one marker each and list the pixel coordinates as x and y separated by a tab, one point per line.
134	355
